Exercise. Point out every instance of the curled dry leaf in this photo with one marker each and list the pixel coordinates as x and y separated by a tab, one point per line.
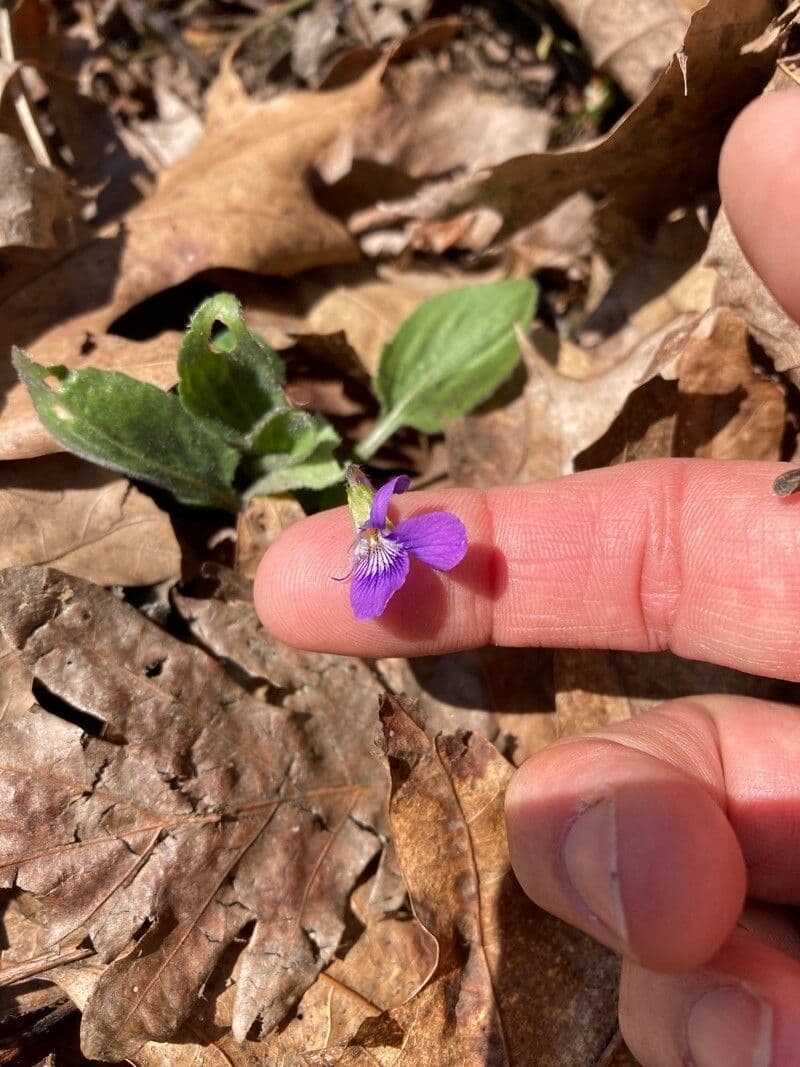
201	813
633	39
538	432
719	407
499	955
68	514
36	202
739	287
660	156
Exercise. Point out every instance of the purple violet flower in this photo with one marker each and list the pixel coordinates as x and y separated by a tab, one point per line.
381	555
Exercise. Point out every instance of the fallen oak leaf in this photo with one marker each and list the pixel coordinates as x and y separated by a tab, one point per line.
709	400
552	418
200	810
241	200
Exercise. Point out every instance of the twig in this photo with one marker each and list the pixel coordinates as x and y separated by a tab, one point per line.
158	23
272	18
40	964
22	104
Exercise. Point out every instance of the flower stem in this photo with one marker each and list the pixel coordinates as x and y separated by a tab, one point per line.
381	431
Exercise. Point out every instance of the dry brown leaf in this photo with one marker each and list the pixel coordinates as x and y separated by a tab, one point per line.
503	694
386	965
241	199
454	127
720	408
595	689
22	435
200	810
660	156
261	522
68	514
36	203
739	287
513	985
15	683
538	432
371	311
633	39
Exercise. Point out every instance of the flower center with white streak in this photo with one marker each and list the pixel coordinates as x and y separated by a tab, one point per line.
374	554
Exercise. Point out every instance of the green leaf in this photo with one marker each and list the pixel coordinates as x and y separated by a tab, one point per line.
130	426
289	436
231	378
317	470
448	356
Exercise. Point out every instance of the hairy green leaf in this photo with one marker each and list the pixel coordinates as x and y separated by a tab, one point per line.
133	427
317	469
232	378
448	356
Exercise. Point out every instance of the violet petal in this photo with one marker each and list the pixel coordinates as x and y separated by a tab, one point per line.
438	538
377	576
380	505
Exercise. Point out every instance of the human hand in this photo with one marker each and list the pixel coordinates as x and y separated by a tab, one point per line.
648	835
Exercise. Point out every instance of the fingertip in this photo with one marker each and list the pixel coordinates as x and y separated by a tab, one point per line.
628	849
759	177
284	589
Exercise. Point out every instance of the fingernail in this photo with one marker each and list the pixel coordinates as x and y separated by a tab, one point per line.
590	856
730	1026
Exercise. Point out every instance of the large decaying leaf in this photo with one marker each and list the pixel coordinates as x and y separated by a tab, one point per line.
68	514
513	986
200	811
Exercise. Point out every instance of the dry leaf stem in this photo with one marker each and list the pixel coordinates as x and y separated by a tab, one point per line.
22	104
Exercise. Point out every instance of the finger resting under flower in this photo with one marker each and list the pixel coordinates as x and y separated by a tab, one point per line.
438	538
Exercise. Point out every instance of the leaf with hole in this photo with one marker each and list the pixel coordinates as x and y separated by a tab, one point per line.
133	427
231	378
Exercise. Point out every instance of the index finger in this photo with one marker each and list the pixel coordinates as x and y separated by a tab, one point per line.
698	556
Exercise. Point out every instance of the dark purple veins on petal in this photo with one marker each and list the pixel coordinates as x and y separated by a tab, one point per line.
377	576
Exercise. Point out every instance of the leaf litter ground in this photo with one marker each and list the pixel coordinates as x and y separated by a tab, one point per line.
213	849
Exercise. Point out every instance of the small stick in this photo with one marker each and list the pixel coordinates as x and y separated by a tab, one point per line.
271	19
22	104
158	23
40	964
